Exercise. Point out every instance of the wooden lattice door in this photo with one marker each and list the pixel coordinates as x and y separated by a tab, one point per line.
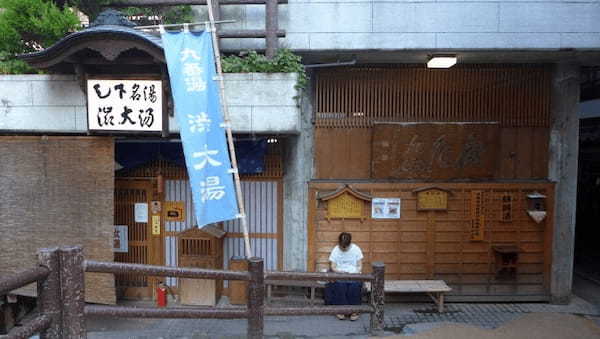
127	194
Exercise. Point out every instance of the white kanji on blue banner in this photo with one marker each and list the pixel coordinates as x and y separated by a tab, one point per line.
190	61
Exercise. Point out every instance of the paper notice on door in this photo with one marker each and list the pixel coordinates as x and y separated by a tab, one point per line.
141	212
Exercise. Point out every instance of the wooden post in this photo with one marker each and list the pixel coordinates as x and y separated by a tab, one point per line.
216	12
236	175
377	298
48	290
164	77
271	22
72	291
256	298
216	9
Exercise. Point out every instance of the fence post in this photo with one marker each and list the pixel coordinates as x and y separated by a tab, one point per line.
48	290
72	290
377	298
256	298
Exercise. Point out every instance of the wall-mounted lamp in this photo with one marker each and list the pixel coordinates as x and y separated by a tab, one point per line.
441	61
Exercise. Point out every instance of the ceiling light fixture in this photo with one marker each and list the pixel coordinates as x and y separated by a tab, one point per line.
441	61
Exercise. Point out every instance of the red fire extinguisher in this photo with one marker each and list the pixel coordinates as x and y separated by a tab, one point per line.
161	295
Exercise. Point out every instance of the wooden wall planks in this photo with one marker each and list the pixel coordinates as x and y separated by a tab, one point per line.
346	153
424	245
516	96
349	101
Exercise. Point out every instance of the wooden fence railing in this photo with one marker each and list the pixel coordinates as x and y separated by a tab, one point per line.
62	308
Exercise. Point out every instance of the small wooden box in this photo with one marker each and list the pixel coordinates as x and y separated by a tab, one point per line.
507	261
238	290
200	249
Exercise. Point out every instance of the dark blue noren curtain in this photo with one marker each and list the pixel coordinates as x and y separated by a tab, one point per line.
250	154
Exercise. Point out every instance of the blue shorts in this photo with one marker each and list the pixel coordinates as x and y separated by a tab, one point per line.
343	293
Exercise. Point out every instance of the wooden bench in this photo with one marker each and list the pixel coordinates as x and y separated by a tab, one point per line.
294	283
434	288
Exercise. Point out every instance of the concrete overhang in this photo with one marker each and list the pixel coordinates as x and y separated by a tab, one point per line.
258	103
584	57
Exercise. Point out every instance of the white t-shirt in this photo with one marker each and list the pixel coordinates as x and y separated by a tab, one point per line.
346	261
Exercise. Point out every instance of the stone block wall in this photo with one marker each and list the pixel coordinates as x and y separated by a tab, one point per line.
57	191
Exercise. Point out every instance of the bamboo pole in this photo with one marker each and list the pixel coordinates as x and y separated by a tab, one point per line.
236	175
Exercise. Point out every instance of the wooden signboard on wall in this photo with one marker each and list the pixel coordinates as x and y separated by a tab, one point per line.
431	199
434	150
345	206
345	203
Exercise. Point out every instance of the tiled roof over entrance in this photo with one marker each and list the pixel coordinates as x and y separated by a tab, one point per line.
110	35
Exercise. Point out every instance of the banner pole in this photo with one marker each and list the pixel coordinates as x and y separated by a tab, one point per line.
236	175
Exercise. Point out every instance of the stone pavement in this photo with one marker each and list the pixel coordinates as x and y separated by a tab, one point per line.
400	318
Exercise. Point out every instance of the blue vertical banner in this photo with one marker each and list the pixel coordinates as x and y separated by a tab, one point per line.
191	64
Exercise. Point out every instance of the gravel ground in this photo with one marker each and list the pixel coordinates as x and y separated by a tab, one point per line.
529	326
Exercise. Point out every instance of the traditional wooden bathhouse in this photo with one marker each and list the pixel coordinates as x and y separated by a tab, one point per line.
440	174
466	174
125	196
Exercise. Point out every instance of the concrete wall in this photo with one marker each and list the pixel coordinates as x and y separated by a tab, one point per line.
258	103
298	169
57	191
424	24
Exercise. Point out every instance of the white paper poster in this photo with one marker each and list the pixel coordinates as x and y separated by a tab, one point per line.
120	239
385	208
141	212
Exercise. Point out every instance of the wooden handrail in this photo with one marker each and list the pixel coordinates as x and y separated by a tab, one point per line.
20	279
163	271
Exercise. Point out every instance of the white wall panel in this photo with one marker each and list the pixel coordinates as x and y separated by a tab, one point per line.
261	203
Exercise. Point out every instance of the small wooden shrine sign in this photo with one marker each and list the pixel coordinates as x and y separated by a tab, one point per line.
345	203
432	199
345	206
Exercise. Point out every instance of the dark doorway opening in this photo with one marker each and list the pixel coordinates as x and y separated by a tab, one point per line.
587	230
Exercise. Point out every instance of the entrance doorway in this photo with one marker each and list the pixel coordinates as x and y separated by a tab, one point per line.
587	232
163	182
142	247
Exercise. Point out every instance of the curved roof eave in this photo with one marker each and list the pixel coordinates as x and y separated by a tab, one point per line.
93	34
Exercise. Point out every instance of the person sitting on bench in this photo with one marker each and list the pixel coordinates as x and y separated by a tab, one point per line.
346	257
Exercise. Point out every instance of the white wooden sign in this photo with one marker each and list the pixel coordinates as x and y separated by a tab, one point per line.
124	105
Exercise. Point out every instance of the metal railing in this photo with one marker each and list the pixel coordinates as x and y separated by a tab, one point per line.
62	308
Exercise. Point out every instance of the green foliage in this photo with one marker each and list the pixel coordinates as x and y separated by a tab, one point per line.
178	15
28	26
169	14
91	8
284	61
10	65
